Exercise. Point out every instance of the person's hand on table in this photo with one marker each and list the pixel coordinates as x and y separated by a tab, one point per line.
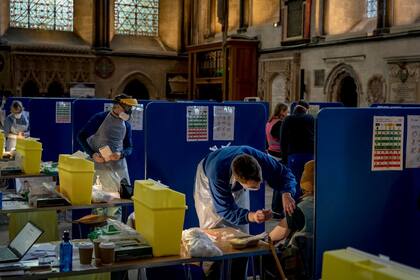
289	204
98	158
115	156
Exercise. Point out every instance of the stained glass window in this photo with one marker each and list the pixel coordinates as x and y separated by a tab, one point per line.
371	8
42	14
137	17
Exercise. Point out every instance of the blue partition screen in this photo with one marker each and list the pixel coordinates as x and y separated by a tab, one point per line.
173	160
85	108
373	211
50	121
320	104
386	105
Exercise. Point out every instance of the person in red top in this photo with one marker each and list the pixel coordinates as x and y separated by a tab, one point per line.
272	130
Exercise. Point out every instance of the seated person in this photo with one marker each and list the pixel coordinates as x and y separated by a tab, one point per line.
281	231
16	125
297	229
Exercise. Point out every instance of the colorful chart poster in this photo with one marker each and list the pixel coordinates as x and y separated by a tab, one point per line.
387	146
412	157
197	123
224	123
136	119
63	112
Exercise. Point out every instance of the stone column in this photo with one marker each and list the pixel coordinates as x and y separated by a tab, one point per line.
102	22
383	17
243	22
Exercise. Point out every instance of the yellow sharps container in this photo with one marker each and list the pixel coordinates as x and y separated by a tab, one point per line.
76	178
2	140
159	216
352	264
30	151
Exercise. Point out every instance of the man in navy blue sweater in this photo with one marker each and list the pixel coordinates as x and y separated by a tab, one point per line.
224	178
110	129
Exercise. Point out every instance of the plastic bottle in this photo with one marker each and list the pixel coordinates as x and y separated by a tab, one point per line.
66	253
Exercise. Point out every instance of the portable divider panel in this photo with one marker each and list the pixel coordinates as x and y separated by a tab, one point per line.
173	160
374	211
51	122
318	105
86	108
394	105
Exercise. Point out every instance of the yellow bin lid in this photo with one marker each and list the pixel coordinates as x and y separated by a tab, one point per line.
28	144
157	196
75	164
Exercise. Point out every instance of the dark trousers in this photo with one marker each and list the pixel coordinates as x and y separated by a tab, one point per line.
237	270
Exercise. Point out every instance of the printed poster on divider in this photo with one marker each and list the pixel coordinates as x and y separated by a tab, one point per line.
224	123
387	144
63	112
412	158
136	119
197	123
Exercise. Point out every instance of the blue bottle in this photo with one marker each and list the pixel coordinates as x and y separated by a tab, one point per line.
66	253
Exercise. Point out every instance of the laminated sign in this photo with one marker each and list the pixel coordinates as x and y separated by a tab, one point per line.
197	123
63	112
387	146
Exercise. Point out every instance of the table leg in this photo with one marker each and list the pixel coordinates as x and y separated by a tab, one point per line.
254	276
262	276
142	275
229	269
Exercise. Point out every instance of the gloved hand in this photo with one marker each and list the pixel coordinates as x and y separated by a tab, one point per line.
115	156
98	158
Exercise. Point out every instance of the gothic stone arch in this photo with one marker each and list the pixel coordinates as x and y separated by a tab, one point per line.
334	79
145	80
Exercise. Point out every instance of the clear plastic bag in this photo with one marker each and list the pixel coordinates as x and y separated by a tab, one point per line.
198	244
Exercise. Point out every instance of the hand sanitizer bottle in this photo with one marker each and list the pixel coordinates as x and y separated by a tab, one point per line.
66	253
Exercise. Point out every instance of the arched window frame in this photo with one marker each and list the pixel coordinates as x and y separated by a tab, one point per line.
136	17
42	14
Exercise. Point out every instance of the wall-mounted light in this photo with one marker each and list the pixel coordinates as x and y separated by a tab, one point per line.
276	24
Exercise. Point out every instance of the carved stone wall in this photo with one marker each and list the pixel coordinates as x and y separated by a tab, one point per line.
376	89
281	68
404	82
44	69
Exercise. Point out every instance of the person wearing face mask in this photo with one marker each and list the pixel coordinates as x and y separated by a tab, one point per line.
225	177
16	125
221	195
110	129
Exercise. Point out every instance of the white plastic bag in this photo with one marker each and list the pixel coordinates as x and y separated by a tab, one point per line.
198	244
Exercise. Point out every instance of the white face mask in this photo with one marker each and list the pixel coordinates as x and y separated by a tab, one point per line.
18	116
124	116
250	188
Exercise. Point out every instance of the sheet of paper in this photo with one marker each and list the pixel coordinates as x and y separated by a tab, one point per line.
136	119
412	157
224	123
63	112
106	152
197	123
387	143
